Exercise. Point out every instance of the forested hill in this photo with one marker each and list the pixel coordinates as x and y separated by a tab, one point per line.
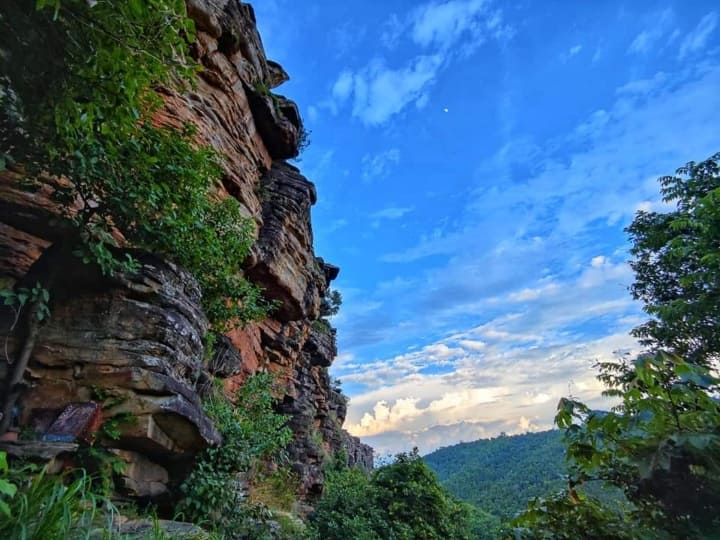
500	475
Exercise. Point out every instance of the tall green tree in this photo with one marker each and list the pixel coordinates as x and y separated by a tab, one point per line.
676	259
399	501
661	444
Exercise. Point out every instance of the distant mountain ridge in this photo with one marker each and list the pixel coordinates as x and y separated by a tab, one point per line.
500	475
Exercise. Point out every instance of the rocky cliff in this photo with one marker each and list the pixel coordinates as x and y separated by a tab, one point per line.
131	346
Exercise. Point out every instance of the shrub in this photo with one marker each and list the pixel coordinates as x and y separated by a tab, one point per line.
252	431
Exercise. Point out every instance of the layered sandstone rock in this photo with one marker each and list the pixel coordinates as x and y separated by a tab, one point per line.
134	343
137	338
283	262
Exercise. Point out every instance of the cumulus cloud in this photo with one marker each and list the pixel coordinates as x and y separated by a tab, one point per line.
378	92
486	394
443	24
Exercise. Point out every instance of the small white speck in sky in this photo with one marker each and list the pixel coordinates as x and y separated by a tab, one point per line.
446	109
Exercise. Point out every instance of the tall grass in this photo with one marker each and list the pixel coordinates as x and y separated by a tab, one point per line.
44	507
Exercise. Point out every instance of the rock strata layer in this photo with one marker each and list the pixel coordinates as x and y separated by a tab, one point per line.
134	344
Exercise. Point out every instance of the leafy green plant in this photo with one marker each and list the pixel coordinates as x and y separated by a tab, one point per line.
330	304
276	489
22	296
303	140
112	427
322	326
42	507
568	517
7	488
660	446
252	432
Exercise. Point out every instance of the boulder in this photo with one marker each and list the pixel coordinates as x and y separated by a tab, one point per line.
141	477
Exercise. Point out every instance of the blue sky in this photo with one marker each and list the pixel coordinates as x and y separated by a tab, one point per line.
476	163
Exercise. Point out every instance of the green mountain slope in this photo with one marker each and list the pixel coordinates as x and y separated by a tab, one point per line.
500	475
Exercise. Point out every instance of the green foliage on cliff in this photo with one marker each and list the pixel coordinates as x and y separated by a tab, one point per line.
252	431
85	112
330	303
399	501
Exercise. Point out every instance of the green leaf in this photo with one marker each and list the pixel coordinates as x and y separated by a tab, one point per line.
6	488
4	509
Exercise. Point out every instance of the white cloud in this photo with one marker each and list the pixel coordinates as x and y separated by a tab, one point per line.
598	262
647	39
335	225
377	92
472	345
443	24
573	51
343	86
377	166
392	212
644	87
445	30
533	293
698	37
485	395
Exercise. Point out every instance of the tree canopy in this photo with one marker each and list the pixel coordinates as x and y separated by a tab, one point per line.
399	501
676	259
661	444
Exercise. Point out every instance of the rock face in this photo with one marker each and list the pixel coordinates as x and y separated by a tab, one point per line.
134	344
135	338
284	262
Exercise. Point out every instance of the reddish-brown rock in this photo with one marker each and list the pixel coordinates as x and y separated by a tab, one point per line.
139	339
